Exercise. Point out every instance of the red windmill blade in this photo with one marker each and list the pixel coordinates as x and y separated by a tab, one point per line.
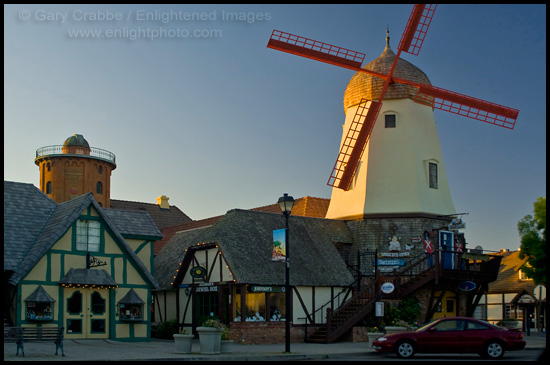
411	41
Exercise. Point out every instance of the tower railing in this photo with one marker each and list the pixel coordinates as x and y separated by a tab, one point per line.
57	150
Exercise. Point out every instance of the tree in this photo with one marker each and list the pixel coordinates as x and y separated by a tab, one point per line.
532	230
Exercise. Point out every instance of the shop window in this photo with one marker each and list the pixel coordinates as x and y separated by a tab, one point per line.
88	235
39	305
260	306
74	326
98	303
97	325
74	303
130	307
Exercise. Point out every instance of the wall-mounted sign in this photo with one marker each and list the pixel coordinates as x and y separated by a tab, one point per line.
387	288
390	262
206	288
394	254
379	309
467	285
266	289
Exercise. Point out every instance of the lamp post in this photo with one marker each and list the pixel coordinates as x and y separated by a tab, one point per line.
286	202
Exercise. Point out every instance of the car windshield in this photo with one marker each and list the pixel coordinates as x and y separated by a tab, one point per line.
424	327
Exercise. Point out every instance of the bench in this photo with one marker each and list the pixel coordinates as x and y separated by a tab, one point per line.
21	335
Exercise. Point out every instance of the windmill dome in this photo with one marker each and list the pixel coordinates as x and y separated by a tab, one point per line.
363	85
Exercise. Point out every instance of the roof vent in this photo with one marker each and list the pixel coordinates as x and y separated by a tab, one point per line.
162	202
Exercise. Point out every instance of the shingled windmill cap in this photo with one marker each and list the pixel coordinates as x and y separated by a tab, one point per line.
363	85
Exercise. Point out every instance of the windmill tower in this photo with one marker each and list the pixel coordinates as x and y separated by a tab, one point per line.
396	179
401	171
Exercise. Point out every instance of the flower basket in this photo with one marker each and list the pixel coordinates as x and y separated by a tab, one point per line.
183	343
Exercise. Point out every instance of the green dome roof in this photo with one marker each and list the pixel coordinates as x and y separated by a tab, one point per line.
76	140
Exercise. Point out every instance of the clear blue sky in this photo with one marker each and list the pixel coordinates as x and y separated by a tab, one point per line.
207	115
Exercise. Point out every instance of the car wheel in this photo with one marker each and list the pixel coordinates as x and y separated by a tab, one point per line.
493	350
405	349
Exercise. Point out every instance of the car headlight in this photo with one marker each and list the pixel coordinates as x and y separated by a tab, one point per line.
381	339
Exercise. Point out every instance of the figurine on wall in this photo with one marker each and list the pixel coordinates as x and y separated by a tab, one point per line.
394	244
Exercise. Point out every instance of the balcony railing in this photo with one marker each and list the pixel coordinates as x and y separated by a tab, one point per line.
57	150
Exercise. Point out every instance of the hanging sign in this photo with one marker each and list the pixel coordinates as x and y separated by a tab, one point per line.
197	272
467	286
279	245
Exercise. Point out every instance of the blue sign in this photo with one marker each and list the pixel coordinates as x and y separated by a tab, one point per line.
467	286
390	262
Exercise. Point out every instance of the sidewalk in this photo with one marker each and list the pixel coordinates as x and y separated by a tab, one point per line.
108	350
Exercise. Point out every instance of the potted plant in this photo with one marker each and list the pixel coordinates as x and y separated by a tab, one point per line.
397	326
510	323
183	342
210	334
374	333
226	344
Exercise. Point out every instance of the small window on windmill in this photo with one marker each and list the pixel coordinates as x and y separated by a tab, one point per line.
433	175
389	120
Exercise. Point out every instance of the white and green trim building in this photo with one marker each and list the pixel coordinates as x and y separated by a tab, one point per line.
77	265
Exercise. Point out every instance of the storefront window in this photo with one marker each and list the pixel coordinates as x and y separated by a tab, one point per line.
260	306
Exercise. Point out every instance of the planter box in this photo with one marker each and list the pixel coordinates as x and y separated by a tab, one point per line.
210	339
226	346
183	343
395	329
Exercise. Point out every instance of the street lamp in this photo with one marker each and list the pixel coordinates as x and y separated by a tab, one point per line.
285	203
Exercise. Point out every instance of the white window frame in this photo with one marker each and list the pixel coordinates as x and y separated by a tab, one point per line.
88	235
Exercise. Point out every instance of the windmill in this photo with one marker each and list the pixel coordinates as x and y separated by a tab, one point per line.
358	134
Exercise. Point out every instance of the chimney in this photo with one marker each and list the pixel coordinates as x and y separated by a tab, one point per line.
162	202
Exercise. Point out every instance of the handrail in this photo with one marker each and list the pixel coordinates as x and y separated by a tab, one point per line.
94	152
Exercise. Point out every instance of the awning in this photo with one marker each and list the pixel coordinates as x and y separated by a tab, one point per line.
131	298
88	278
40	295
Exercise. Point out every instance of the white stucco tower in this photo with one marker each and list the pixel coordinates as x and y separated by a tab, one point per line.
401	172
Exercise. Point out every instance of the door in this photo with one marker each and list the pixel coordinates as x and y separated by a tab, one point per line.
206	307
86	313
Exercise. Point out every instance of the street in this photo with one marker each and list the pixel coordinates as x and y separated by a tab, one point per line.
525	355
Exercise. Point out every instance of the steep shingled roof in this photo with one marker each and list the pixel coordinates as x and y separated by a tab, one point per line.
28	209
162	217
508	280
305	207
246	241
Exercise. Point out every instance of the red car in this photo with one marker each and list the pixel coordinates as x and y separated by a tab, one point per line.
453	335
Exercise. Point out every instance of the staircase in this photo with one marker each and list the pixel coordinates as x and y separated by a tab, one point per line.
406	280
421	271
347	315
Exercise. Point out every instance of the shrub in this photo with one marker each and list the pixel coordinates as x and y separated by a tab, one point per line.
167	329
